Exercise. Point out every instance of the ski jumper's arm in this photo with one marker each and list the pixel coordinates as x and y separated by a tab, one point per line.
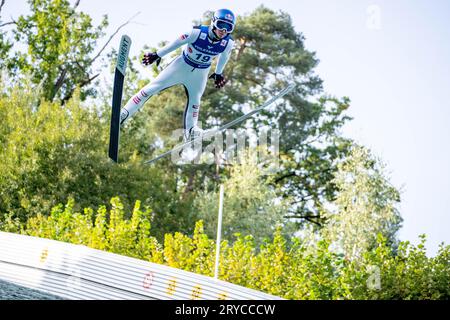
224	57
183	39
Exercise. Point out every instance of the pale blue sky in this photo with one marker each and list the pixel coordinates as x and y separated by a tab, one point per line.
392	58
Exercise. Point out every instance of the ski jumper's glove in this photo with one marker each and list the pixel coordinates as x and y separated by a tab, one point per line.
219	80
151	57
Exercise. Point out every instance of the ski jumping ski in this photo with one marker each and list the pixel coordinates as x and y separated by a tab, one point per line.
121	65
212	132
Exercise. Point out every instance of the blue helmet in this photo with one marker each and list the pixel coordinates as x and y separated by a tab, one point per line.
223	19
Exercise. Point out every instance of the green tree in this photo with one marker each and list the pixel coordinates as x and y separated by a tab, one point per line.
405	272
60	44
5	44
366	205
306	173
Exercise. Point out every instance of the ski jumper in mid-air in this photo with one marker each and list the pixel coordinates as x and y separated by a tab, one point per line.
190	69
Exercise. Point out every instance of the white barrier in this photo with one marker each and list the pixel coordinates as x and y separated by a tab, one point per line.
78	272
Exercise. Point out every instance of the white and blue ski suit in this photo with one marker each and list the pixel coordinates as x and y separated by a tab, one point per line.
190	69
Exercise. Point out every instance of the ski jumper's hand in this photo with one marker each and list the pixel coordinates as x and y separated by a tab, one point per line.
151	57
219	80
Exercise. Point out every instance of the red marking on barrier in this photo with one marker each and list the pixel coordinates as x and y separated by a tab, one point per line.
148	280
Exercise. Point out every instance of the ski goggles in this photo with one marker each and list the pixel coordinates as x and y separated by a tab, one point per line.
224	25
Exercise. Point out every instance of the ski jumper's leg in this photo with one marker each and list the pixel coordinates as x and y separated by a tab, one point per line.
195	84
169	77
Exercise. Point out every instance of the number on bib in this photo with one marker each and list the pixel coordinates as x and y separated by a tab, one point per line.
203	57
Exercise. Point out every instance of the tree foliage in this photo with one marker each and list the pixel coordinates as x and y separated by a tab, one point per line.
5	43
51	152
60	44
366	205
